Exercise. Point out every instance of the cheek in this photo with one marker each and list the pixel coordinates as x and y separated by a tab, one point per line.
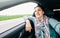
37	15
41	13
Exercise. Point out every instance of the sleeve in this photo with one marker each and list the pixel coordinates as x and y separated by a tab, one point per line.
55	24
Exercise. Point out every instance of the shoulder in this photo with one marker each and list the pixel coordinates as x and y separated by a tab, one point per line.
55	24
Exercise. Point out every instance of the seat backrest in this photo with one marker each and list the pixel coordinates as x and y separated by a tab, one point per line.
25	34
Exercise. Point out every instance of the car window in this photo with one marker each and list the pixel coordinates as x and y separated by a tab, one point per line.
25	8
12	16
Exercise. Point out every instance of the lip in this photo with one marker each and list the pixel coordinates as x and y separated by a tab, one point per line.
38	15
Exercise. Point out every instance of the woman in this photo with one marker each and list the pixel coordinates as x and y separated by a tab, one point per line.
41	23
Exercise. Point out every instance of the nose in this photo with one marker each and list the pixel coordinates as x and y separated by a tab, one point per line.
37	13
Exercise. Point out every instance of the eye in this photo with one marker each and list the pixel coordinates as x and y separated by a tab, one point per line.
39	9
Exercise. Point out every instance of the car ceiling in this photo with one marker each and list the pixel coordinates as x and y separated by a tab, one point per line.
50	4
9	3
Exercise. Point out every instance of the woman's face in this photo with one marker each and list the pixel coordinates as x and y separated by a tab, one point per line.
39	12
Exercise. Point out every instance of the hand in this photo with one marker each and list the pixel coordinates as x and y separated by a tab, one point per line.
28	26
38	25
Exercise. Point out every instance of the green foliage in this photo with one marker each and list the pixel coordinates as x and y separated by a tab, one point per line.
11	17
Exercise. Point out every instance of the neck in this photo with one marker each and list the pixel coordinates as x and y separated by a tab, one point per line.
41	18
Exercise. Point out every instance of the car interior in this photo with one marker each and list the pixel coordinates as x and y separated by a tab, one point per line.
17	31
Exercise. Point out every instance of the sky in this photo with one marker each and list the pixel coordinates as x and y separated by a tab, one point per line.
21	9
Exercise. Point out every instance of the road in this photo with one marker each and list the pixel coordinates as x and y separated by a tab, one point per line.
7	24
